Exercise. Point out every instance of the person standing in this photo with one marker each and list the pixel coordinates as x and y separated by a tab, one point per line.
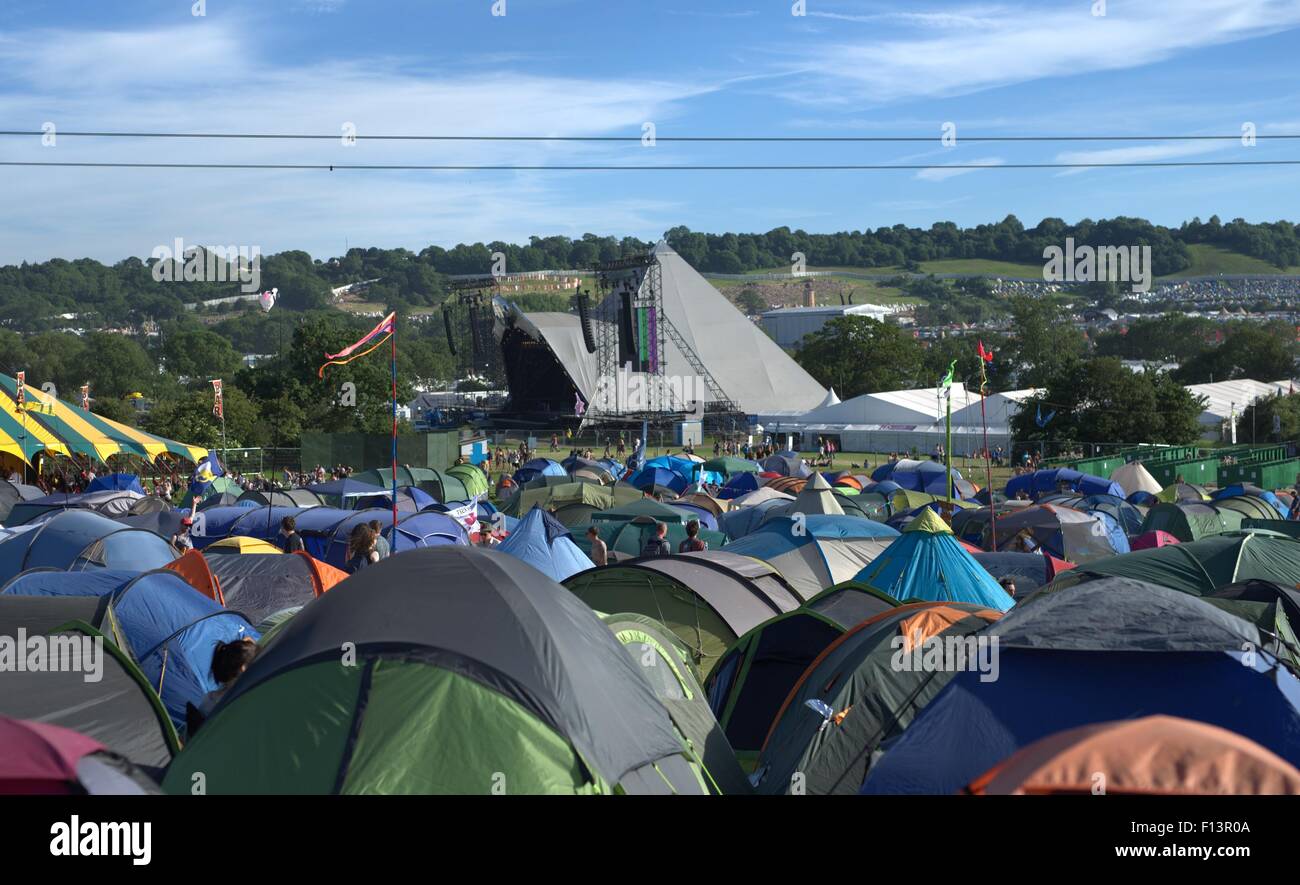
692	543
657	544
290	541
381	543
599	550
361	549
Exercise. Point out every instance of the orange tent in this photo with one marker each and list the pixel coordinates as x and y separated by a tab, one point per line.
1155	755
206	575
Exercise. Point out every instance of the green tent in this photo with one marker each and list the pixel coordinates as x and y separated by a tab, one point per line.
865	698
446	670
1191	521
647	507
755	675
665	662
445	487
708	600
729	465
573	502
626	540
1198	567
1271	607
474	479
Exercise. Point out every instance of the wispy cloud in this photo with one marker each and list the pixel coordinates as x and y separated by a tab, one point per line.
1153	153
1031	42
947	172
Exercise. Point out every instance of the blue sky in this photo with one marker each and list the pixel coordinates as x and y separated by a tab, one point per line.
605	67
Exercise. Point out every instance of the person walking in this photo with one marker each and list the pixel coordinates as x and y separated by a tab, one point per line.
657	544
599	550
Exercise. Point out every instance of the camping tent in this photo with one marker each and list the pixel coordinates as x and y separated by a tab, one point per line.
1063	532
1094	638
1133	477
816	497
1127	516
283	498
707	599
44	759
1151	756
1191	521
169	628
257	586
475	674
336	493
12	493
756	673
818	551
1047	482
544	543
665	663
927	562
1030	570
79	540
861	690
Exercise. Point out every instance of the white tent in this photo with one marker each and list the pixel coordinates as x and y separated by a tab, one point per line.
815	498
1133	477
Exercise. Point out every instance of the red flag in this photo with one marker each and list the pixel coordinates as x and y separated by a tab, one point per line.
986	355
217	408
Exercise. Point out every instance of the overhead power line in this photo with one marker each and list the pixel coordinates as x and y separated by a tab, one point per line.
915	139
834	167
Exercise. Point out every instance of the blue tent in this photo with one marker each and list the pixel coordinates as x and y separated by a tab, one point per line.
334	547
318	524
409	500
616	468
1046	482
77	540
928	562
739	484
170	628
703	515
262	522
544	542
1069	659
1237	490
538	467
1143	499
116	482
426	529
648	477
816	552
930	477
743	520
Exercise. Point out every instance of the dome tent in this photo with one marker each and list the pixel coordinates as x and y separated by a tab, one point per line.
544	543
539	686
927	562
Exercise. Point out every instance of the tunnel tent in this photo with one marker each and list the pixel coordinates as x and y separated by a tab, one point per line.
665	663
472	478
706	602
823	551
336	493
409	500
490	668
1191	521
863	689
282	498
425	529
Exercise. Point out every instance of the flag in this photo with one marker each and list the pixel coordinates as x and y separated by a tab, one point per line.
579	407
946	381
986	356
217	408
22	393
375	337
1040	420
85	397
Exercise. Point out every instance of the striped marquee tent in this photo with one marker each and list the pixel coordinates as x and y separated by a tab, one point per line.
51	426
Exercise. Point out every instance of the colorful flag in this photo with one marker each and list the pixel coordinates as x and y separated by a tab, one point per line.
986	356
217	408
375	337
22	392
85	397
1040	420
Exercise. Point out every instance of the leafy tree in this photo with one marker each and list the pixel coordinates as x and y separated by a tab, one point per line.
1042	341
1256	421
115	365
1100	401
199	355
1250	350
189	417
856	355
750	301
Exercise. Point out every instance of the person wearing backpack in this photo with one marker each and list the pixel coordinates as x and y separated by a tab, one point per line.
657	544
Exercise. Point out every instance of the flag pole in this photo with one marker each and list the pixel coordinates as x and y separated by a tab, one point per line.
988	458
393	342
947	446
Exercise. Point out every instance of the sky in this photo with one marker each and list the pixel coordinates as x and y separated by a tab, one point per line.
608	68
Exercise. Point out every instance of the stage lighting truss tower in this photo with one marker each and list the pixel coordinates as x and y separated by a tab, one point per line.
474	318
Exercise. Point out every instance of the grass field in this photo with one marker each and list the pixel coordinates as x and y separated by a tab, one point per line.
1213	260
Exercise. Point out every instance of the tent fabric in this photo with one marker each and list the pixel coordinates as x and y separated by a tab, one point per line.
414	531
1063	532
409	500
1151	756
815	498
120	711
930	477
1127	516
80	540
116	482
490	640
665	663
257	586
1030	570
1191	521
1043	482
1188	652
1148	540
827	551
283	498
1133	477
926	562
544	542
169	628
1182	491
707	600
44	759
474	479
652	479
729	465
335	492
12	493
1200	567
241	544
857	694
58	428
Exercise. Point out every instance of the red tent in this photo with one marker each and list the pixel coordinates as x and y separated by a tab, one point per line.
1156	538
41	759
